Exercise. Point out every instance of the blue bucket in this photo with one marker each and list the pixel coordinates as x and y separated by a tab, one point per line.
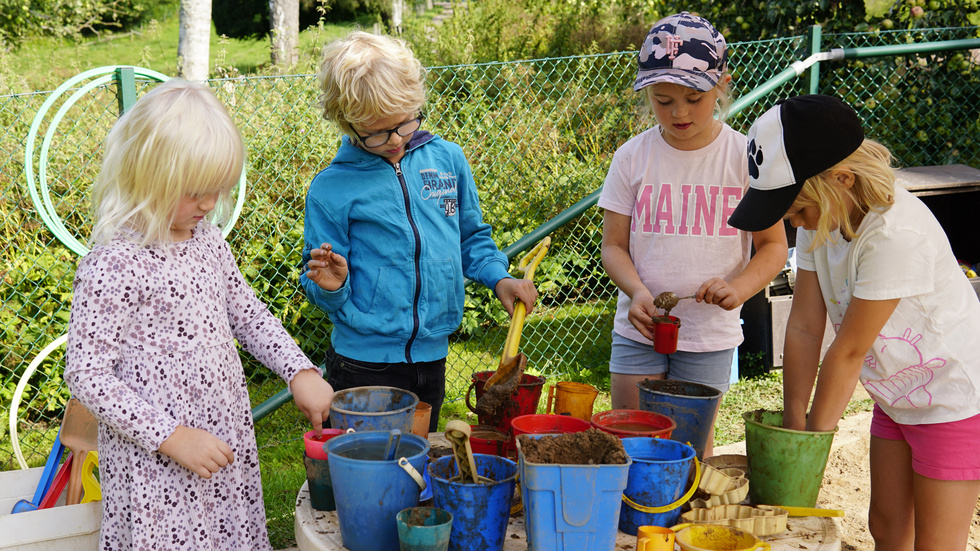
571	507
370	491
480	511
373	408
691	405
657	480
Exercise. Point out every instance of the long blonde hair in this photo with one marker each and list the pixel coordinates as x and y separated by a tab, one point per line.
365	77
873	189
176	141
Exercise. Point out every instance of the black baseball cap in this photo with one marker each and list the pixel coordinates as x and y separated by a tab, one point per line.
793	141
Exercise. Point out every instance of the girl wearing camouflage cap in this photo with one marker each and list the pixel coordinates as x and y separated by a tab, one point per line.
667	198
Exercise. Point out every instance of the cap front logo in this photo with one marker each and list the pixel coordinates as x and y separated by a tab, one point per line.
755	159
672	45
773	169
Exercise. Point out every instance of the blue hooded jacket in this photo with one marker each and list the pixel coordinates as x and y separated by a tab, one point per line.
410	232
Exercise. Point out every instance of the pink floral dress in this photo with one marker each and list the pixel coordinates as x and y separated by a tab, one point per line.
151	344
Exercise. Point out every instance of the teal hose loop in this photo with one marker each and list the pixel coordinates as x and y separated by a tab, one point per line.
38	188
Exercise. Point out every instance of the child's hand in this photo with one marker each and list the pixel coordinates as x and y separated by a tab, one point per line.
197	450
313	396
641	313
508	290
718	291
326	268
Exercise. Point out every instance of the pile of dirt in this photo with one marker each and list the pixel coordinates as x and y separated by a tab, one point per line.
590	447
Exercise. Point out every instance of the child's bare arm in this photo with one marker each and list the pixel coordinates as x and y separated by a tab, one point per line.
619	265
770	257
326	268
197	450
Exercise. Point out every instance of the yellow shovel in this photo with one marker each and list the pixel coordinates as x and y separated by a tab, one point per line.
512	362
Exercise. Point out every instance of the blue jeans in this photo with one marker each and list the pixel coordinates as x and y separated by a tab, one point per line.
426	379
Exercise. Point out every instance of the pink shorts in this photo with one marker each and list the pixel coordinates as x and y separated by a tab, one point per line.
943	451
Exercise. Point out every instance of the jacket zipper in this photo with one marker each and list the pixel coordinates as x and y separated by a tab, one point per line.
417	259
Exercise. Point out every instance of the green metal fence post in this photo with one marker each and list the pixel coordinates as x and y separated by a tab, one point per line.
813	35
125	88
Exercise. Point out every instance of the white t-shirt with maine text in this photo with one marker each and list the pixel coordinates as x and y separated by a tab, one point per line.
924	366
679	203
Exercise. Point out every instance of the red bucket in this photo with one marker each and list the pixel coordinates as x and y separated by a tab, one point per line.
630	423
523	401
489	440
537	423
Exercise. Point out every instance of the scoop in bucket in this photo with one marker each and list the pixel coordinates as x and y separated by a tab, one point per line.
499	386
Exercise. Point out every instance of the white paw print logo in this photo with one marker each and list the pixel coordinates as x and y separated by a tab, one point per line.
755	159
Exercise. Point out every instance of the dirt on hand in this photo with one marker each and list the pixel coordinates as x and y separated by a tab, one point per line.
589	447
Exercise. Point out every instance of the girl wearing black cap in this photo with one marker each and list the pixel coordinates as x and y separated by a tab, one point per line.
875	259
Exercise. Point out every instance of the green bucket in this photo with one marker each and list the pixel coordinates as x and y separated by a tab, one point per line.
785	466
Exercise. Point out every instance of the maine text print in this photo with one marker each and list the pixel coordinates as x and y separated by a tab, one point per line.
697	210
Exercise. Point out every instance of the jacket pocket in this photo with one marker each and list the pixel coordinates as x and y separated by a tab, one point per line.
441	302
390	311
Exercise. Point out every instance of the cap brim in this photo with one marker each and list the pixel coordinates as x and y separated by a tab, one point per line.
702	81
759	210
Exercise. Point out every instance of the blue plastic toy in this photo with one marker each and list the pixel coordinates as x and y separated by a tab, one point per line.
47	475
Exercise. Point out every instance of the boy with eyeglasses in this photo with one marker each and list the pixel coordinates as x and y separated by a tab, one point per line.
393	226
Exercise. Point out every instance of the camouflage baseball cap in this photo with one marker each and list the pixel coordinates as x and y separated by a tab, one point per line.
683	49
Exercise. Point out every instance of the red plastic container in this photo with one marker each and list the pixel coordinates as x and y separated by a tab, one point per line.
630	423
665	335
314	445
489	440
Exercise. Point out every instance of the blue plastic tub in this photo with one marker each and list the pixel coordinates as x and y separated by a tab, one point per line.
480	511
370	491
571	507
373	408
692	406
657	479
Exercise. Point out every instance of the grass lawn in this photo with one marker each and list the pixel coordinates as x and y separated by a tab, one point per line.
153	46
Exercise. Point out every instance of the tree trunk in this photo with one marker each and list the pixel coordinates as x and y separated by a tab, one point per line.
284	19
195	39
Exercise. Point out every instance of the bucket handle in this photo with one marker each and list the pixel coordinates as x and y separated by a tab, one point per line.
674	505
404	464
469	403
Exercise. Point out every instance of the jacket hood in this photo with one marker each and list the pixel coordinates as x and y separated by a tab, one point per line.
351	154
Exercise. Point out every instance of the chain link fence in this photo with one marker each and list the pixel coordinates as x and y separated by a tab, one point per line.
539	135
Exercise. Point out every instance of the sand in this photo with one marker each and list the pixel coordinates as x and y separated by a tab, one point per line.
847	482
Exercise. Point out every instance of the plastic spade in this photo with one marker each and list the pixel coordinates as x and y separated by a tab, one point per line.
57	450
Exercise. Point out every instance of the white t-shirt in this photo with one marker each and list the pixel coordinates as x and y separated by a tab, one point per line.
679	203
924	366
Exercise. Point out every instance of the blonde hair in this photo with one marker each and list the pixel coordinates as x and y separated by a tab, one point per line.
723	99
873	189
365	77
176	141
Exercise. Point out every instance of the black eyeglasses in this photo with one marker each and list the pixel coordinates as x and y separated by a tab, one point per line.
380	138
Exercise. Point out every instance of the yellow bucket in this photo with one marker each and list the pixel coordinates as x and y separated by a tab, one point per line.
574	399
716	537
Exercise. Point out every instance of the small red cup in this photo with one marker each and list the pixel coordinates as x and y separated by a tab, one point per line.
314	445
665	334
